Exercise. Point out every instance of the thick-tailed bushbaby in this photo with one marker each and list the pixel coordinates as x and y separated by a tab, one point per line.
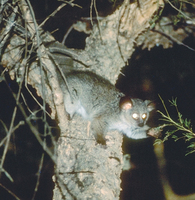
97	100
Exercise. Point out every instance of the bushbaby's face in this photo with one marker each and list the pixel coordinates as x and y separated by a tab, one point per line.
135	111
140	118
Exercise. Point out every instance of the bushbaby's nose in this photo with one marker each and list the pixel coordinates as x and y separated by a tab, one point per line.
141	124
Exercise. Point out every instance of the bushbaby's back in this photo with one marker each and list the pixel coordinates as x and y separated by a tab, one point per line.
95	93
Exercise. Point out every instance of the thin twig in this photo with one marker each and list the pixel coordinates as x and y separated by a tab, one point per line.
38	175
10	192
172	39
178	10
52	14
12	121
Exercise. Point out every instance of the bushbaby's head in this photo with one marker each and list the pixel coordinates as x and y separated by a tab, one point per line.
135	111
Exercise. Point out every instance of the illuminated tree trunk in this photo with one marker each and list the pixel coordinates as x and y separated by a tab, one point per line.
83	169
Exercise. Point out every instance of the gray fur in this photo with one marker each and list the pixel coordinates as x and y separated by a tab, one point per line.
97	100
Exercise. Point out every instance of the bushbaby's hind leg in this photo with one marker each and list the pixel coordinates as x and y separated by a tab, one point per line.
98	127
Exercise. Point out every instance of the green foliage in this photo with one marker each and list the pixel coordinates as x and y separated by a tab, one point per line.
178	6
180	125
156	18
177	14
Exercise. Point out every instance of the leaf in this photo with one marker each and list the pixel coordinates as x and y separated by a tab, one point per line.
175	137
187	123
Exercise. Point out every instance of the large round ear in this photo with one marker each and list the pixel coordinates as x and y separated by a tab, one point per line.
126	103
150	105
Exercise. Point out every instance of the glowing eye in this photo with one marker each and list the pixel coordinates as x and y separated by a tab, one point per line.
135	116
144	116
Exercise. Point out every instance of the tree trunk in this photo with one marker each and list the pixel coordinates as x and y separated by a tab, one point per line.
83	169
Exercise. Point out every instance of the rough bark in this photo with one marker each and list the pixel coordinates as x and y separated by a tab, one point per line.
113	39
96	171
84	169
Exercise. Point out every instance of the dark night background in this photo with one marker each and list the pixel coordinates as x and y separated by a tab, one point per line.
169	73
